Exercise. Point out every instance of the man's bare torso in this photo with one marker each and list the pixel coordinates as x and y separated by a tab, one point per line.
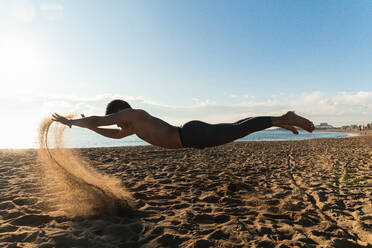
154	130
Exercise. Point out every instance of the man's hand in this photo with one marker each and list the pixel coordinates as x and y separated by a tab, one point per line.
61	119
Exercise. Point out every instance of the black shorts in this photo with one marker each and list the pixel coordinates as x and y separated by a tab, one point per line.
198	134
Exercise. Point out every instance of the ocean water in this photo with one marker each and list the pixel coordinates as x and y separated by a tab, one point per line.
83	138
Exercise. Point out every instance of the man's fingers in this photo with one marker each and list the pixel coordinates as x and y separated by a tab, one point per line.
61	119
56	116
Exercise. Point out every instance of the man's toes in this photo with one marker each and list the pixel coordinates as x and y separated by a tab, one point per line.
294	130
290	128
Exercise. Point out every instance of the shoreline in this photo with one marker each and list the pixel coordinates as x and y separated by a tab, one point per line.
144	145
361	133
148	146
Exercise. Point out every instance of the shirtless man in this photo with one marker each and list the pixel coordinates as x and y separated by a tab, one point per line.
194	134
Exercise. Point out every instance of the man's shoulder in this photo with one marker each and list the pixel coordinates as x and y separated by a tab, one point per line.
129	111
140	113
133	113
137	112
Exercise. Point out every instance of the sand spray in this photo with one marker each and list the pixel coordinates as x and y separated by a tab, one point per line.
76	189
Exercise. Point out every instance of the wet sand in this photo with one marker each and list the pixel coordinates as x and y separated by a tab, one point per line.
314	193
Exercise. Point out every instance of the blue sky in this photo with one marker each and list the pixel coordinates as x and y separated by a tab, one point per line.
181	60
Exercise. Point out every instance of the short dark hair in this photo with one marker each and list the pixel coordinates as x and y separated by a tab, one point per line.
116	105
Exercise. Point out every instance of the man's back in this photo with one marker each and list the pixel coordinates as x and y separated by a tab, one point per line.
155	131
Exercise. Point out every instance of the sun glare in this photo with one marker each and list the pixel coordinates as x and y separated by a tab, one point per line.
22	63
25	137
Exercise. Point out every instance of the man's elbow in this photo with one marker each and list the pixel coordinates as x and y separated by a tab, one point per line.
92	121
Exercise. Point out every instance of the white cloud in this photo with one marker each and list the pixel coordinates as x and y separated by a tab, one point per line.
340	109
23	10
362	97
52	11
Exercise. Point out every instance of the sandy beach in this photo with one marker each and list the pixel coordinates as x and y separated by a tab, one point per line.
314	193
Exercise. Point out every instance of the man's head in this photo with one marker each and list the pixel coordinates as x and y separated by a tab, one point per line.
115	106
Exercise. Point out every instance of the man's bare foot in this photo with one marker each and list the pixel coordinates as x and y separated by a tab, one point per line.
290	128
291	119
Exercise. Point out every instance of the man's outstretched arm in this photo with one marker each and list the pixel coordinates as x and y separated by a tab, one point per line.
126	115
88	122
112	133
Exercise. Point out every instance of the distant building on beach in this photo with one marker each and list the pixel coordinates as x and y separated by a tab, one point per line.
353	127
324	125
362	127
365	127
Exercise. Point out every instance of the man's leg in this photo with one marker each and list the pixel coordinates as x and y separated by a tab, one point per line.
200	135
288	121
240	121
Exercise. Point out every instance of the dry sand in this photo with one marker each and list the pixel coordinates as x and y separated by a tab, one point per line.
314	193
